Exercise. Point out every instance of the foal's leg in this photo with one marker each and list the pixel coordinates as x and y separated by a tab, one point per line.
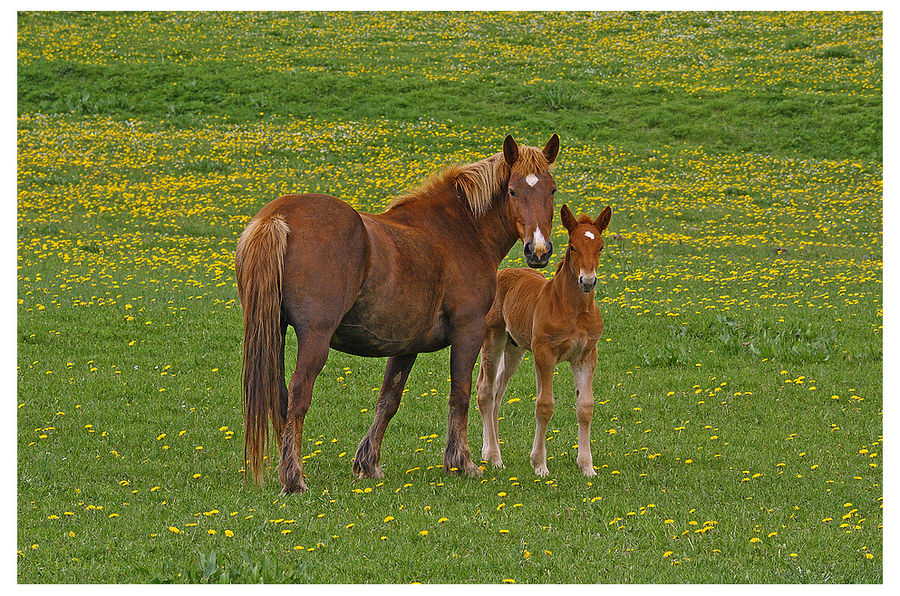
544	363
583	371
491	357
509	362
312	352
464	345
368	454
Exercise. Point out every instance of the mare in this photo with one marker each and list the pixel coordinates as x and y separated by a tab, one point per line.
557	320
416	278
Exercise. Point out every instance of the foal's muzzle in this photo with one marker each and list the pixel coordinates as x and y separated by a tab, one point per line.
534	261
587	283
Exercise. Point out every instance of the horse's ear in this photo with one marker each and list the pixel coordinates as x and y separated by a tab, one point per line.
510	150
551	149
568	219
602	221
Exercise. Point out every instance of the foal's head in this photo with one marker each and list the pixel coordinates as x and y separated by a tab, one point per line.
585	245
530	196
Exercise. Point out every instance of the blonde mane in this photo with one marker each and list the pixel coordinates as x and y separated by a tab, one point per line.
478	182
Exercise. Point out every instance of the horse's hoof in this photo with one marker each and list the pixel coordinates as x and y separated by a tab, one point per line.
369	473
541	470
473	471
468	469
295	489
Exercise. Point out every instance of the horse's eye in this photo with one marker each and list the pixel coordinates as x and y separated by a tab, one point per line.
512	193
553	192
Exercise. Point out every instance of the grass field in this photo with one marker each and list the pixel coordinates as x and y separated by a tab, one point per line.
738	397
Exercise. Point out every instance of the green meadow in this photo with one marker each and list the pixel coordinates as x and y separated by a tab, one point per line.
737	430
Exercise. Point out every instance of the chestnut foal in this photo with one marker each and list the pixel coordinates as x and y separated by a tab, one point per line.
557	320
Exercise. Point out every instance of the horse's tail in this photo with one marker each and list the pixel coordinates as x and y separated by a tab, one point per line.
259	263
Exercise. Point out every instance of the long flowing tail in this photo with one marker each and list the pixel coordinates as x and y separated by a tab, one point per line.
259	264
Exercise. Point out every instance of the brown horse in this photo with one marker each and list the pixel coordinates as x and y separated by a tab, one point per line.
416	278
558	321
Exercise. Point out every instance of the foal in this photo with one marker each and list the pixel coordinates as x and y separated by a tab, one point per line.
557	320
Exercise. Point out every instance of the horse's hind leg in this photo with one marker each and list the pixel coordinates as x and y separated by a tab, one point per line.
312	352
509	362
367	462
491	354
279	416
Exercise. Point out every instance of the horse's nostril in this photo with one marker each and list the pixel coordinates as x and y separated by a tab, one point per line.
529	248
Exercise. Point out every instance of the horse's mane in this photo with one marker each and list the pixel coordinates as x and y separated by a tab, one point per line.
478	182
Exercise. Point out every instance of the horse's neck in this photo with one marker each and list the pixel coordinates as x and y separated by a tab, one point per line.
498	235
448	213
564	286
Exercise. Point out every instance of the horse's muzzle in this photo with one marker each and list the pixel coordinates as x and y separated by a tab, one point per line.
587	283
534	261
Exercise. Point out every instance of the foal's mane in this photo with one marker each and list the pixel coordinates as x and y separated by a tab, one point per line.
480	181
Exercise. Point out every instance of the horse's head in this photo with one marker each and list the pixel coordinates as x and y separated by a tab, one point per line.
530	196
585	245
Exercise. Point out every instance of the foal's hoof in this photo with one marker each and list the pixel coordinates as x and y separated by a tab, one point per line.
498	463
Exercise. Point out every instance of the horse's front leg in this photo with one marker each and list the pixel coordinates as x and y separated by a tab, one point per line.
544	363
367	462
583	372
464	346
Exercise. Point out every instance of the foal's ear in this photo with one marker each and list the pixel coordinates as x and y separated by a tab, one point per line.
510	150
551	149
602	221
568	219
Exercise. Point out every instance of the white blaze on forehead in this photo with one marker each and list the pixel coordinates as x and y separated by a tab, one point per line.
531	179
539	241
589	234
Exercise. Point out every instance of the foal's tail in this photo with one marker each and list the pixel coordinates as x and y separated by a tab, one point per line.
259	263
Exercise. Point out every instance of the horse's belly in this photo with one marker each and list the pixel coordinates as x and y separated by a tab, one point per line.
389	334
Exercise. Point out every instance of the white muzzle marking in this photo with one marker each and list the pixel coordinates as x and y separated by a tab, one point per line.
539	242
